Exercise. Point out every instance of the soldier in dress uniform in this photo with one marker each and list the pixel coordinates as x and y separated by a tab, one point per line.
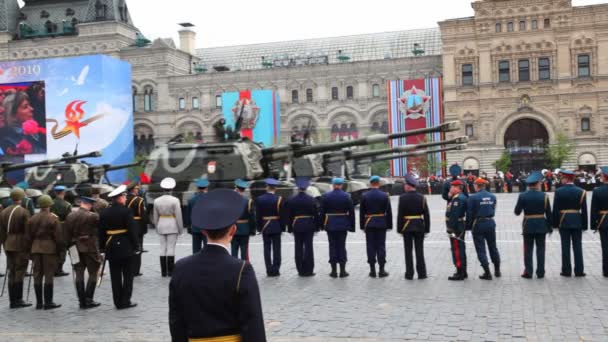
303	221
570	217
455	224
136	204
13	220
455	171
118	240
338	214
245	225
198	238
212	295
44	240
536	224
269	215
82	230
413	222
61	208
169	225
375	218
481	208
599	217
100	204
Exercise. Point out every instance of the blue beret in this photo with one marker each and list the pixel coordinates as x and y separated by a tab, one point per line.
23	185
567	172
272	182
88	199
302	182
455	170
217	209
604	170
337	181
241	184
202	183
59	188
411	180
374	179
534	177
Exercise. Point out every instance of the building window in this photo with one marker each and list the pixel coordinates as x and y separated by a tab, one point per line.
295	96
334	93
195	103
182	103
510	26
309	95
585	124
498	27
544	69
522	25
376	90
135	99
100	10
218	101
468	129
467	74
349	92
524	70
504	71
547	23
583	66
534	25
148	105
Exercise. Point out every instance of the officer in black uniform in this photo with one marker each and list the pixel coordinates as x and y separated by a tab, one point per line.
269	215
137	206
375	218
212	295
455	224
119	241
599	217
413	221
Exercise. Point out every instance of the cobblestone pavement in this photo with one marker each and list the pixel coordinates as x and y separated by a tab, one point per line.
359	308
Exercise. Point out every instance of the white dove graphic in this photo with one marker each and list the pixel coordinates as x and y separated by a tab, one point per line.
82	77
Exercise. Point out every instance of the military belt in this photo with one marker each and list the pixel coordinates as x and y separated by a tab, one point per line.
603	212
371	216
137	218
333	214
295	219
535	216
167	216
461	219
268	219
416	217
570	211
228	338
242	221
113	232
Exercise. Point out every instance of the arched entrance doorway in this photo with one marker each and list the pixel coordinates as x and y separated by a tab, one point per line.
526	140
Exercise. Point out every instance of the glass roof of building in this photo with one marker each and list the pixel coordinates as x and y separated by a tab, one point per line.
364	47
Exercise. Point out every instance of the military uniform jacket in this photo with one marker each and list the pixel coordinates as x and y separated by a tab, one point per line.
12	235
124	244
337	211
269	214
570	208
245	225
43	234
187	217
375	210
26	203
61	208
413	214
168	215
481	209
302	214
100	205
537	212
599	208
82	229
212	294
138	208
447	185
455	214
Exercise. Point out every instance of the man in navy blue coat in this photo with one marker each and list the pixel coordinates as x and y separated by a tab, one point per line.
481	207
375	218
338	215
303	221
245	225
198	238
455	225
599	217
269	217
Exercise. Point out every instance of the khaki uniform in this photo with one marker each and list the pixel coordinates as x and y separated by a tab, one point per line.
62	209
15	244
100	205
43	235
82	229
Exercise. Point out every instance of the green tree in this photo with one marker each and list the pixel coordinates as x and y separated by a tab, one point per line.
504	162
559	152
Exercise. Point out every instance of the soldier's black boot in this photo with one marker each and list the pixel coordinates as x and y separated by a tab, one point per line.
60	272
458	276
170	264
38	292
163	266
80	292
382	272
372	270
486	273
89	293
343	273
334	273
48	298
497	270
18	297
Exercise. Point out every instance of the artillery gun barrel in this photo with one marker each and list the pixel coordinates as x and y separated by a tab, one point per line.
14	167
108	167
417	153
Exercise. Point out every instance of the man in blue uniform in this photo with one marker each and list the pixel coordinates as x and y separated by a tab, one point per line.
455	224
455	171
338	215
375	218
570	217
599	217
536	224
413	221
480	220
198	238
212	295
303	221
245	225
269	216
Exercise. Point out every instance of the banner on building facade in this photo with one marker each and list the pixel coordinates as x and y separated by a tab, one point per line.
259	112
414	104
53	106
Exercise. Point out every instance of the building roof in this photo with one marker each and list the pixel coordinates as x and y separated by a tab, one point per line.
357	48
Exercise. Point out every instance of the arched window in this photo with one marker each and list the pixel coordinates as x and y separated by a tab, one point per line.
135	99
498	27
182	103
148	105
349	92
334	93
294	96
309	95
49	26
376	90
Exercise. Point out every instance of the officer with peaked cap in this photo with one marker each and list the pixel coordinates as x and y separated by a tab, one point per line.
13	220
245	225
375	218
137	206
536	224
570	217
61	208
198	238
118	240
269	215
413	222
481	208
338	214
169	225
455	171
599	217
212	295
455	224
303	221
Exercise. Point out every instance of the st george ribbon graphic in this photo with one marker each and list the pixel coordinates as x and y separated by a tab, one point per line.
73	114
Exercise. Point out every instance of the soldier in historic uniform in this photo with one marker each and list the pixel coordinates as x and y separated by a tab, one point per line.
82	230
169	225
413	222
245	225
61	208
375	218
338	214
269	215
118	240
44	240
225	304
570	217
198	238
455	224
13	220
599	217
303	221
100	203
481	208
536	224
455	171
26	202
137	206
